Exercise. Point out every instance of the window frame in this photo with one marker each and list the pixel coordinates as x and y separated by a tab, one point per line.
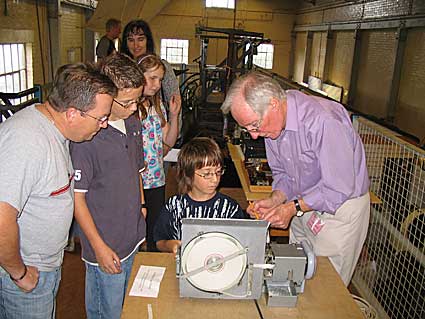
268	53
220	4
179	44
15	68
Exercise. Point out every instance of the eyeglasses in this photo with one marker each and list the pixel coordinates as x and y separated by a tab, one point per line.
100	120
126	105
210	175
254	126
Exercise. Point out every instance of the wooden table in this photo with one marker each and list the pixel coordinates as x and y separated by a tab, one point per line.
325	296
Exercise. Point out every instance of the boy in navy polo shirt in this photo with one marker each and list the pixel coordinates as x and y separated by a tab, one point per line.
108	194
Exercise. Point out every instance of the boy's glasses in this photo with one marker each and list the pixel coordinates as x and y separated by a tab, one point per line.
126	105
210	175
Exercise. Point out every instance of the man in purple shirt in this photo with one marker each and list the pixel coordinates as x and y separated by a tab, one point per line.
320	179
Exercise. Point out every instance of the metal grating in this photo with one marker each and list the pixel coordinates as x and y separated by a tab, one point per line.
391	271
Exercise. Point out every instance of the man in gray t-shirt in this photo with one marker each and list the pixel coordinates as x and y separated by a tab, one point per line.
36	187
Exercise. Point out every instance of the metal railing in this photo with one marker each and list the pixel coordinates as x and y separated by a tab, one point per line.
11	103
391	271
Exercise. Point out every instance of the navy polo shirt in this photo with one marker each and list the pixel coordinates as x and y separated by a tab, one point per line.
107	169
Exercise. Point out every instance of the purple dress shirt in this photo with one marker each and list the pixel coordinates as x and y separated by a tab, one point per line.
318	157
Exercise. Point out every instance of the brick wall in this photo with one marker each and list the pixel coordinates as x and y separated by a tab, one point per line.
341	60
377	57
71	33
410	112
333	11
376	70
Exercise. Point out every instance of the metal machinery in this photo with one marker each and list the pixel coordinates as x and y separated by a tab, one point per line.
204	92
230	259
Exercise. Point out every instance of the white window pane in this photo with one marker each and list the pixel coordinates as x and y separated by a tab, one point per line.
24	80
175	50
15	57
3	83
9	84
1	60
7	58
16	83
21	52
220	3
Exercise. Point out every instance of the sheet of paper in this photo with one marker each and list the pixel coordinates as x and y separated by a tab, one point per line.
172	155
147	281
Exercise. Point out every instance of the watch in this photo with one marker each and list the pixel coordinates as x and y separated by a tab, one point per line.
298	208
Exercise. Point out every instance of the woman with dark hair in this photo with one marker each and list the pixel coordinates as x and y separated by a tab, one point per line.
137	40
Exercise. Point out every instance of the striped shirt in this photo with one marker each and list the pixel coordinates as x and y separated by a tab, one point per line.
168	225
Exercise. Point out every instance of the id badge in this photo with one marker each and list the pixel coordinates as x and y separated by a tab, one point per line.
315	223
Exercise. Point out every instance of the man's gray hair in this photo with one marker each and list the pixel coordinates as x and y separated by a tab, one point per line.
257	90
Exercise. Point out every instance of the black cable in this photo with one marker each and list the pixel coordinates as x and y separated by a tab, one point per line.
258	309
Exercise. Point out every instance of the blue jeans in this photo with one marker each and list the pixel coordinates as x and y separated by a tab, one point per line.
104	292
37	304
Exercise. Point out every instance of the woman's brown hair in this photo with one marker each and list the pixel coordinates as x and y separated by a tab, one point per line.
151	62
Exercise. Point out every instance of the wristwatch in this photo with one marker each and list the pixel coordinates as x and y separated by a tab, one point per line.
298	208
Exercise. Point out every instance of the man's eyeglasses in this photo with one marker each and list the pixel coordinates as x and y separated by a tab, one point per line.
126	105
210	175
254	126
100	120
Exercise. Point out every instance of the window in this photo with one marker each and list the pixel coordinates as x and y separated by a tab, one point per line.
175	50
14	75
264	57
229	4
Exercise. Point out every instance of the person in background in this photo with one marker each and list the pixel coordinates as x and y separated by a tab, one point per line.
137	40
109	196
199	169
320	178
106	43
159	135
37	189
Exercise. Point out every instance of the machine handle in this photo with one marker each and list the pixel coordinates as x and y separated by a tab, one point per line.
311	259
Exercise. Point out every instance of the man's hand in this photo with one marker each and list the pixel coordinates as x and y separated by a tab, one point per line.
108	260
281	215
30	280
260	207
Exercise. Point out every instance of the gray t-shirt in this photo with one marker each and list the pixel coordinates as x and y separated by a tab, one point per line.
36	179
